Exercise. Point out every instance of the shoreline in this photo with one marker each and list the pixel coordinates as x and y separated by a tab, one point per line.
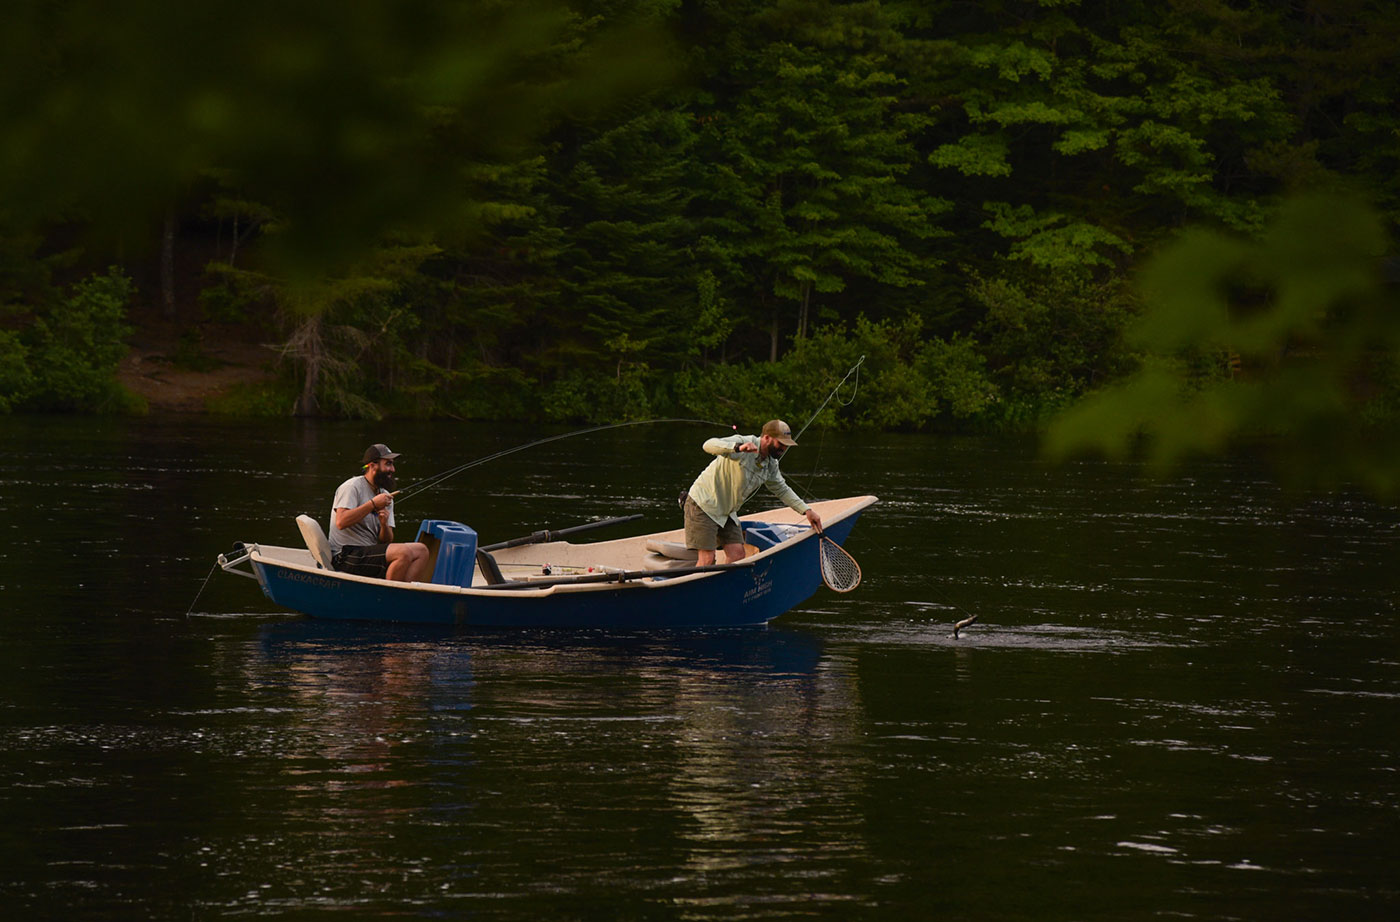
154	371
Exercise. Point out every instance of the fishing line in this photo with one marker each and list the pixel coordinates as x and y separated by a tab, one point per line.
957	626
816	466
437	479
855	370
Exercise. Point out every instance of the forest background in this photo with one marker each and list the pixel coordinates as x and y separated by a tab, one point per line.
619	209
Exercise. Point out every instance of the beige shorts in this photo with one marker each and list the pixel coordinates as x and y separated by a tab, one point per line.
702	534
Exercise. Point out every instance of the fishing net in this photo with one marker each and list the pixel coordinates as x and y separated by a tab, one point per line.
840	571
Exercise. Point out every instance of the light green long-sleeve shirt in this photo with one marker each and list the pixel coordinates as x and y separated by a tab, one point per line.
733	476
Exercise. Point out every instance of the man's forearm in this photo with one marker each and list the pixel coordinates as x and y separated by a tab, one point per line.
788	497
344	518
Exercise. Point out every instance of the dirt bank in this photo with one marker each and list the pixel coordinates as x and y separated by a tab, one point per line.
175	377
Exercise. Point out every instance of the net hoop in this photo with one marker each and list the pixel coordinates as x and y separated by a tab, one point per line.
840	571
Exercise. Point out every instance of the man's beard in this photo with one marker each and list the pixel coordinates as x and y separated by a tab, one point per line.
384	480
777	451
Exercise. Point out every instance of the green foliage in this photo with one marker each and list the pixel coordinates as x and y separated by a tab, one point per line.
426	204
16	380
1093	129
578	397
625	274
904	382
893	394
254	401
974	155
806	163
713	320
346	332
67	360
956	372
228	297
343	121
1054	242
1317	333
484	392
1048	338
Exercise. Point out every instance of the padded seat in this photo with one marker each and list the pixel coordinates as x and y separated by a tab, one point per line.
658	562
315	537
672	549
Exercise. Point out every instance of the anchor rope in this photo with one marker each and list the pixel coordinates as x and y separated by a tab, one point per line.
201	588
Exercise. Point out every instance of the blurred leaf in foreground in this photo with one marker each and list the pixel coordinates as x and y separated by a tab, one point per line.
347	120
1287	342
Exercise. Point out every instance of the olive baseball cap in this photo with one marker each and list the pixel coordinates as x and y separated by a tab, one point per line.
780	431
378	452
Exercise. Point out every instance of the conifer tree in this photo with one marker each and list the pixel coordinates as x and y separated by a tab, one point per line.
807	149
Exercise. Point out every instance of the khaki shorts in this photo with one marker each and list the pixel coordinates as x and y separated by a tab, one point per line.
702	534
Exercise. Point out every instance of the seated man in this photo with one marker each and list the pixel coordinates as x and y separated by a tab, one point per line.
362	524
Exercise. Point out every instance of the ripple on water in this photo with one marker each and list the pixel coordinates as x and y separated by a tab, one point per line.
984	635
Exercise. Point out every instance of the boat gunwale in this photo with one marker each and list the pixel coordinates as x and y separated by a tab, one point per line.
659	580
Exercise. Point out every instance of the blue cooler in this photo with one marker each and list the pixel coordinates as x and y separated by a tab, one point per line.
762	535
452	547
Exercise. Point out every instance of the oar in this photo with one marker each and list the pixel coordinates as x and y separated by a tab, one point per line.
540	537
621	576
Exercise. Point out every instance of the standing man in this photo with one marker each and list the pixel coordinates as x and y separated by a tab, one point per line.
743	463
362	524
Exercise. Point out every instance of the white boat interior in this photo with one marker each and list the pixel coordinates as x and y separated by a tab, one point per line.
550	561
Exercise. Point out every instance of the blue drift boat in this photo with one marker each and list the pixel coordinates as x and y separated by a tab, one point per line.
643	581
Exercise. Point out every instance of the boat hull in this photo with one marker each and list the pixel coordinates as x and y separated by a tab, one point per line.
752	593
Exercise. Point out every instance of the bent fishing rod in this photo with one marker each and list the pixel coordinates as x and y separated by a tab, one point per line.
438	479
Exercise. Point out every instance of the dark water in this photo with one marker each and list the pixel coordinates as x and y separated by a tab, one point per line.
1181	700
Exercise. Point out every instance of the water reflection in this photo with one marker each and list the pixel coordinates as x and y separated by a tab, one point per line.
759	765
739	753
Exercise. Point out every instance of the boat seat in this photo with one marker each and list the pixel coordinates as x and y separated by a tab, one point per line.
316	543
490	570
658	562
672	549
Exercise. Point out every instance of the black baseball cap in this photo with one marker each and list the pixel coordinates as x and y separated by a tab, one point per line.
378	452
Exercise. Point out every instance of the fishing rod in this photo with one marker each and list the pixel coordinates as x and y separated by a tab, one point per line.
546	535
438	479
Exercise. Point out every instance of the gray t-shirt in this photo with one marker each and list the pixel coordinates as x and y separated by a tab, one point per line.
356	492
